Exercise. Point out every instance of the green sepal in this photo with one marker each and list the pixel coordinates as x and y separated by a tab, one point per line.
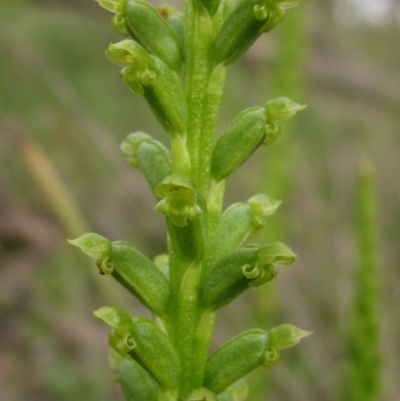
150	155
243	27
262	206
233	274
237	391
178	199
186	217
240	220
282	108
239	142
276	253
136	383
235	359
151	30
94	245
286	336
128	53
201	394
117	319
140	276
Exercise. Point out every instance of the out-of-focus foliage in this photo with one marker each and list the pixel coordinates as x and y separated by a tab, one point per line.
63	113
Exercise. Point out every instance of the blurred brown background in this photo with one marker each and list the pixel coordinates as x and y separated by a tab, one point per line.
63	114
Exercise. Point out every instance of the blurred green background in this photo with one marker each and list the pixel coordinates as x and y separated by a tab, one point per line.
63	114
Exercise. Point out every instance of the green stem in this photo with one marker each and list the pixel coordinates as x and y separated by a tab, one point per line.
198	37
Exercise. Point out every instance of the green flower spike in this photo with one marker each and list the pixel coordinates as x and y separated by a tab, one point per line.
179	200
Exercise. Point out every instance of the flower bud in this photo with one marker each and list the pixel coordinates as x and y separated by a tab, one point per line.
235	359
282	108
151	30
286	336
136	383
238	143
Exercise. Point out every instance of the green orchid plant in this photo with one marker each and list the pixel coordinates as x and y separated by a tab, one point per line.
177	61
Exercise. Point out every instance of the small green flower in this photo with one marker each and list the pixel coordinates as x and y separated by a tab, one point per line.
179	200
